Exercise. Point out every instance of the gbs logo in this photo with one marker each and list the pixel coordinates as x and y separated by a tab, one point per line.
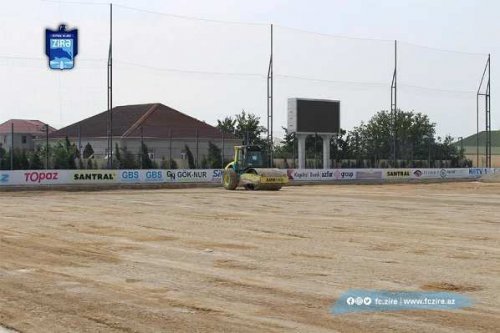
130	175
154	175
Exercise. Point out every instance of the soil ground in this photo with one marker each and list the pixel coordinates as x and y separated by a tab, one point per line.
196	260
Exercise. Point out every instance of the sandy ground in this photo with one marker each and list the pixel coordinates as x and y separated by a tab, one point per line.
199	260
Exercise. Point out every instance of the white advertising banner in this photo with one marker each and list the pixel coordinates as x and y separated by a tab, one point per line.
34	177
478	172
94	177
168	176
68	177
194	176
321	174
444	173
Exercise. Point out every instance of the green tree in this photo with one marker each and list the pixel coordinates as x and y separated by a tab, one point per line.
168	164
35	160
88	151
144	159
64	155
127	159
213	160
60	156
245	126
117	156
3	159
373	140
249	129
20	160
287	145
340	148
227	125
190	157
204	163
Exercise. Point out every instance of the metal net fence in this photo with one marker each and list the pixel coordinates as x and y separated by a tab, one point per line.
211	69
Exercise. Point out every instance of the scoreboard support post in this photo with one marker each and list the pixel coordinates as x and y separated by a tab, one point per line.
326	150
301	140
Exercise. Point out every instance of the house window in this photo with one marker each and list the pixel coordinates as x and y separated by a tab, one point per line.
24	139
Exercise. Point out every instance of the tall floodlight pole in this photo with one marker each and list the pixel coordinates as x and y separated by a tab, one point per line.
110	89
477	125
394	102
270	94
487	100
488	115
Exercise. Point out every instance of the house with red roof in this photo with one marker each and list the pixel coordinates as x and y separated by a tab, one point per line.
22	133
165	131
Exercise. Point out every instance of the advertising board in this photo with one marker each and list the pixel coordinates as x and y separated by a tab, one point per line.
214	176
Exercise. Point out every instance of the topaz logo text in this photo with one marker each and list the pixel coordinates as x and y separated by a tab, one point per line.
38	177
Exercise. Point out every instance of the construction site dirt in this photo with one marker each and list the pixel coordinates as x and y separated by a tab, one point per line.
206	259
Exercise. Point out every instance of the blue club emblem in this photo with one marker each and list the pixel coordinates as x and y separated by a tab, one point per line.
61	46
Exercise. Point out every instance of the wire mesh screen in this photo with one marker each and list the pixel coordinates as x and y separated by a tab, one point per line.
442	84
211	69
203	68
355	71
56	97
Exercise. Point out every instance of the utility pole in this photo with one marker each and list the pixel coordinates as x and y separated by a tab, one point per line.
394	101
12	146
270	99
110	89
46	146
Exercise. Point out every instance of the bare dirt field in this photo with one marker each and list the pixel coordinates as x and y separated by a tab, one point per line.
196	260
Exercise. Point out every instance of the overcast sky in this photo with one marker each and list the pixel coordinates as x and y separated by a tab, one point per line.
209	70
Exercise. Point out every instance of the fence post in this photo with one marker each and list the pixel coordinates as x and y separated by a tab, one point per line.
47	146
170	148
12	146
142	148
197	150
223	148
294	151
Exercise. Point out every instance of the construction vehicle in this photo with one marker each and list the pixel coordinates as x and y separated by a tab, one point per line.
248	170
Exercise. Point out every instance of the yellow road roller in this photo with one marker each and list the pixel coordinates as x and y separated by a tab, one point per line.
248	170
